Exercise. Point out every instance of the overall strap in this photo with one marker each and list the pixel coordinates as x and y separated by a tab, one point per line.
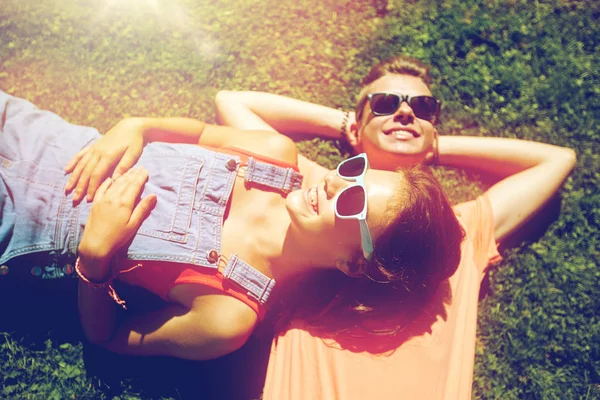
258	285
280	178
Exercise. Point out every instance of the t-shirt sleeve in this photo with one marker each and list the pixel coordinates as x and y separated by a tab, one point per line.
477	218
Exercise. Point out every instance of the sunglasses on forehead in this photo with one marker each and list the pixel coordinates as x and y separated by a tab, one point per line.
386	103
351	202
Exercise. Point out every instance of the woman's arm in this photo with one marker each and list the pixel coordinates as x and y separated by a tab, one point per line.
120	148
265	111
530	174
193	330
114	218
210	328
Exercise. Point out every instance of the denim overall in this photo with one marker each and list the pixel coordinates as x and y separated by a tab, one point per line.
193	186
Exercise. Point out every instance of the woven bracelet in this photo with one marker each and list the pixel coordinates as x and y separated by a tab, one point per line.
106	284
344	123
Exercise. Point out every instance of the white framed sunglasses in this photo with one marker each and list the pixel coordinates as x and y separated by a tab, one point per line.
351	202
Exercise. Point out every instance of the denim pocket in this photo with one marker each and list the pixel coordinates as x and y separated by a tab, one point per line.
173	178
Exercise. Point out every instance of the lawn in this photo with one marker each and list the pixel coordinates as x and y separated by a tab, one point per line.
510	68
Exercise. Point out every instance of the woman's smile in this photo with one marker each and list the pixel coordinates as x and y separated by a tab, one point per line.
311	196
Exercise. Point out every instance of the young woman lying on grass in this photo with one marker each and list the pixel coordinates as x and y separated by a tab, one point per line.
207	226
433	355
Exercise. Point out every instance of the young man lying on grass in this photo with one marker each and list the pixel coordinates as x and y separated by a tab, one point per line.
432	357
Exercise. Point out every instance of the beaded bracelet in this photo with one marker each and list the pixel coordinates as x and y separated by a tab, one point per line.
106	284
344	123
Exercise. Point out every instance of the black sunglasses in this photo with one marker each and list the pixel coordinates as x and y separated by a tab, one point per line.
386	103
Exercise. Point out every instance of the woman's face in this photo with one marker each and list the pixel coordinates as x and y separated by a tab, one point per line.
313	214
400	138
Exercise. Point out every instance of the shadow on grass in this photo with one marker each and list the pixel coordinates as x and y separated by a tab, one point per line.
34	311
239	375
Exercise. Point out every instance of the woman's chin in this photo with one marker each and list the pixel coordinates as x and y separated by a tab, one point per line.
295	206
397	156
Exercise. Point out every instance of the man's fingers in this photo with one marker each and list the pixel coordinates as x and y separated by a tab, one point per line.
141	212
69	167
100	172
84	179
102	189
74	178
127	162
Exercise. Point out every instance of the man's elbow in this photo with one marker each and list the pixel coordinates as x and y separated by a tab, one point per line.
223	102
222	97
570	158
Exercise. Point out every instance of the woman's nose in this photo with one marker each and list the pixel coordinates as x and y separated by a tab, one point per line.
333	184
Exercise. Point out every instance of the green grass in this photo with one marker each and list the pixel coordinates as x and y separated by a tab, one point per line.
503	68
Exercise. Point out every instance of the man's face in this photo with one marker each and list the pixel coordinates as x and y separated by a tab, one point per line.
399	138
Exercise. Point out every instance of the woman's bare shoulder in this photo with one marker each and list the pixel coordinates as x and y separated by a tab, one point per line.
222	311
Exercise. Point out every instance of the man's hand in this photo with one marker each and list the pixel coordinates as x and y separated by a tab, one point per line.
116	215
433	156
115	153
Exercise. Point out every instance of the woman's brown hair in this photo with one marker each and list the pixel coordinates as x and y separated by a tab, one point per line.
418	251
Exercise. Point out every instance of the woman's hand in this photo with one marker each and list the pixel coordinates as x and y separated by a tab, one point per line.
115	216
121	147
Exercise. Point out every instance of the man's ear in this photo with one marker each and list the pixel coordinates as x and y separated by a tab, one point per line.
353	135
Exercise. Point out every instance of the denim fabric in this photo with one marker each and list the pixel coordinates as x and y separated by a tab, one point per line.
273	176
259	286
35	145
193	186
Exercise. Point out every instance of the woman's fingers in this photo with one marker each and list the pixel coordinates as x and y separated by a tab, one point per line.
142	211
136	188
128	189
130	186
76	158
127	162
102	189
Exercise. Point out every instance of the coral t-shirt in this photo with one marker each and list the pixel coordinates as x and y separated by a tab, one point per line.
435	362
